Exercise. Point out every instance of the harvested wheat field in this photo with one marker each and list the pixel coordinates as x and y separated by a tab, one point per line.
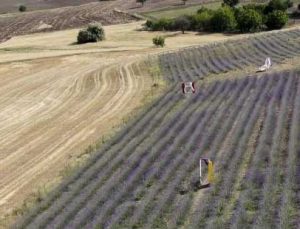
55	101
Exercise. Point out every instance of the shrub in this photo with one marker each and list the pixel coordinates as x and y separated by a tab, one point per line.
201	21
276	19
223	20
93	33
161	24
231	3
182	23
149	24
84	37
159	41
22	8
249	20
97	31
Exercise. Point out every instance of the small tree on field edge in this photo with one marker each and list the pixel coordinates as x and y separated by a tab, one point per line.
184	1
277	19
249	20
223	20
141	1
182	23
159	41
22	8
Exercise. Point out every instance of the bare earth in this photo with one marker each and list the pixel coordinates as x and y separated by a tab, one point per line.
75	15
32	5
57	98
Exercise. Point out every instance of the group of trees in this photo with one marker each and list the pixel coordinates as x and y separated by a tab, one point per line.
229	18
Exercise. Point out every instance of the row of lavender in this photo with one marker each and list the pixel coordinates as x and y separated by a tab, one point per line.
146	176
261	185
196	63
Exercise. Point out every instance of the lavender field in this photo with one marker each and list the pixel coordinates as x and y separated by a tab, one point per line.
196	63
147	175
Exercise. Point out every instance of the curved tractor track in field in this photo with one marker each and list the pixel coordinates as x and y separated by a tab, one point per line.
146	176
53	111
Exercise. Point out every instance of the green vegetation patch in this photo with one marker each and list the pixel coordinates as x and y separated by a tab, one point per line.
183	10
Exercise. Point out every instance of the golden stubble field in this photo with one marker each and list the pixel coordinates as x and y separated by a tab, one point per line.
57	98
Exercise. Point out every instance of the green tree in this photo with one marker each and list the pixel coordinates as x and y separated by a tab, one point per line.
276	19
141	1
249	20
223	20
276	5
22	8
182	23
159	41
201	21
231	3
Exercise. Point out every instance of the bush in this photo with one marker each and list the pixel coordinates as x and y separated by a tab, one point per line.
276	19
231	3
93	33
182	23
97	31
201	21
223	20
249	20
22	8
159	41
149	24
161	24
84	37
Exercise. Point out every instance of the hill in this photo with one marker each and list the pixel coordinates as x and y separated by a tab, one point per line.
147	175
58	98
